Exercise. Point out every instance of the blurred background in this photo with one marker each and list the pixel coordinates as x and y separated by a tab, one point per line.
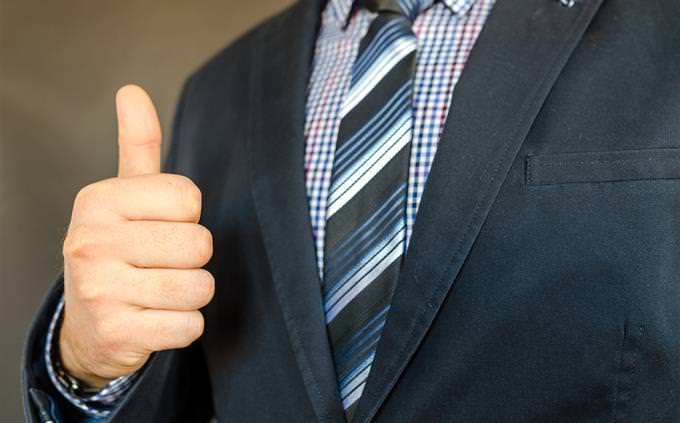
60	65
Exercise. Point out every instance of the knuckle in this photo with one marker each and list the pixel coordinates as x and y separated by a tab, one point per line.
89	292
70	245
89	197
85	196
79	243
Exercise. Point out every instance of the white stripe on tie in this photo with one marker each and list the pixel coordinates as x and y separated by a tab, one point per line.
358	179
371	270
359	379
401	48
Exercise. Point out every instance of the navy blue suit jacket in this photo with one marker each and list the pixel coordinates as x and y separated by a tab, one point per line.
542	283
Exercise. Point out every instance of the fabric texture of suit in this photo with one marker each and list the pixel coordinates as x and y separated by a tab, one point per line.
542	281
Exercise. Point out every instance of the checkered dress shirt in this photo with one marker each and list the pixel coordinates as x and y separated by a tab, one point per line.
446	32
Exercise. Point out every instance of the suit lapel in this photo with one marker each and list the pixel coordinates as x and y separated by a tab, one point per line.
276	152
516	60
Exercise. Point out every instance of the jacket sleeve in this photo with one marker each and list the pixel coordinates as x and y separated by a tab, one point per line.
174	386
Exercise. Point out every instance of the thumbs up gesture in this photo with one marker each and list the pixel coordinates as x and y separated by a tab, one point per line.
133	281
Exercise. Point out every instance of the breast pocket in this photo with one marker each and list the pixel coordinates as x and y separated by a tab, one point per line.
603	166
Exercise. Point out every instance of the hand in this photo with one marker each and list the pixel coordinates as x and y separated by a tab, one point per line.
133	281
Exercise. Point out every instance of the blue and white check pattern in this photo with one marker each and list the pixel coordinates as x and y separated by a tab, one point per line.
446	33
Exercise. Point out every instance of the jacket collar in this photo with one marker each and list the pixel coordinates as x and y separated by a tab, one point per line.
281	66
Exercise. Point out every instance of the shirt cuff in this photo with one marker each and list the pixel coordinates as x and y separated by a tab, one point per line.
96	404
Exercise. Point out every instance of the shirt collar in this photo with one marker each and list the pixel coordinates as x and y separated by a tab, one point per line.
341	10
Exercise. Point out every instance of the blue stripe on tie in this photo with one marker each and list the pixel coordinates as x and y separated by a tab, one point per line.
361	331
379	45
359	378
365	150
358	369
365	344
361	262
355	383
411	8
401	52
385	208
363	237
355	270
386	233
391	137
362	240
386	116
383	38
346	264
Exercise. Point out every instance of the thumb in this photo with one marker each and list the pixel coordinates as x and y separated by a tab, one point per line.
139	133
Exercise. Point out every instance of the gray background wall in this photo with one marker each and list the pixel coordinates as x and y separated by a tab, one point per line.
60	64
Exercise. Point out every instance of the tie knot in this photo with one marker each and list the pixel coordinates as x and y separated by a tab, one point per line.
408	8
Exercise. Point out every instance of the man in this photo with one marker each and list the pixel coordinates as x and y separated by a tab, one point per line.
388	237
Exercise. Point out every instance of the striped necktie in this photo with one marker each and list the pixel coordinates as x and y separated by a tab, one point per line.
366	222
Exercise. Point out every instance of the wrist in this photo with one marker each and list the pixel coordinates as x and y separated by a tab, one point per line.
72	371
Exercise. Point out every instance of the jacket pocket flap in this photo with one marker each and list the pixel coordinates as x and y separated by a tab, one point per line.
605	166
